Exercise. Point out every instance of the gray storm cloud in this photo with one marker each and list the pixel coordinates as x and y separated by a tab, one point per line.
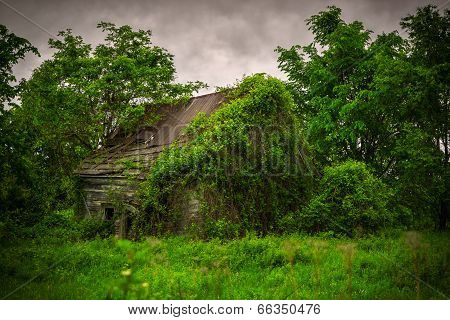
213	41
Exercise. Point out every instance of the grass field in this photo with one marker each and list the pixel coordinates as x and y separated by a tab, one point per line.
398	266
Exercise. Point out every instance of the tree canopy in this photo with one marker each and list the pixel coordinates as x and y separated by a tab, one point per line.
383	102
84	94
16	177
12	49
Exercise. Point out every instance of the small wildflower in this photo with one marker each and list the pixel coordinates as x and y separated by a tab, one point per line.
126	273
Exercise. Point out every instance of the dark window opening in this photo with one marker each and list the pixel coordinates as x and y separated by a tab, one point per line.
109	214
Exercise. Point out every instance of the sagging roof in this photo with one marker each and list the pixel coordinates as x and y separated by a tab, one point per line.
137	151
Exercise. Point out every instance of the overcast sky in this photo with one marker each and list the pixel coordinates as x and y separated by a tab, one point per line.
215	41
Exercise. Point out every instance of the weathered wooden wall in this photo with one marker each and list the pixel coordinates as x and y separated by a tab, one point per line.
102	191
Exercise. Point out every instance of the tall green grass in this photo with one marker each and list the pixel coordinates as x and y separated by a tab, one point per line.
399	266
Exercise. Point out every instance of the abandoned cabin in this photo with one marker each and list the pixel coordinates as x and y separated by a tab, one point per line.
105	174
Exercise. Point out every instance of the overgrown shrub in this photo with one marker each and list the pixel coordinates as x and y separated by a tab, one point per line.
63	225
350	201
222	229
247	162
92	228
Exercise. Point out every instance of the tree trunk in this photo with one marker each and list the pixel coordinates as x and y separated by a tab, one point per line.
443	214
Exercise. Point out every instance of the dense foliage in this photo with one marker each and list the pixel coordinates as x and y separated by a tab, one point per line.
384	102
82	95
350	201
12	49
16	172
246	164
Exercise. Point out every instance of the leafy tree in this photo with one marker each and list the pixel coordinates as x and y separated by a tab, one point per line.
15	170
79	97
12	49
366	100
332	87
82	96
428	32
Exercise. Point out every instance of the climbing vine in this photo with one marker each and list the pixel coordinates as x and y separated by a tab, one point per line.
245	164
